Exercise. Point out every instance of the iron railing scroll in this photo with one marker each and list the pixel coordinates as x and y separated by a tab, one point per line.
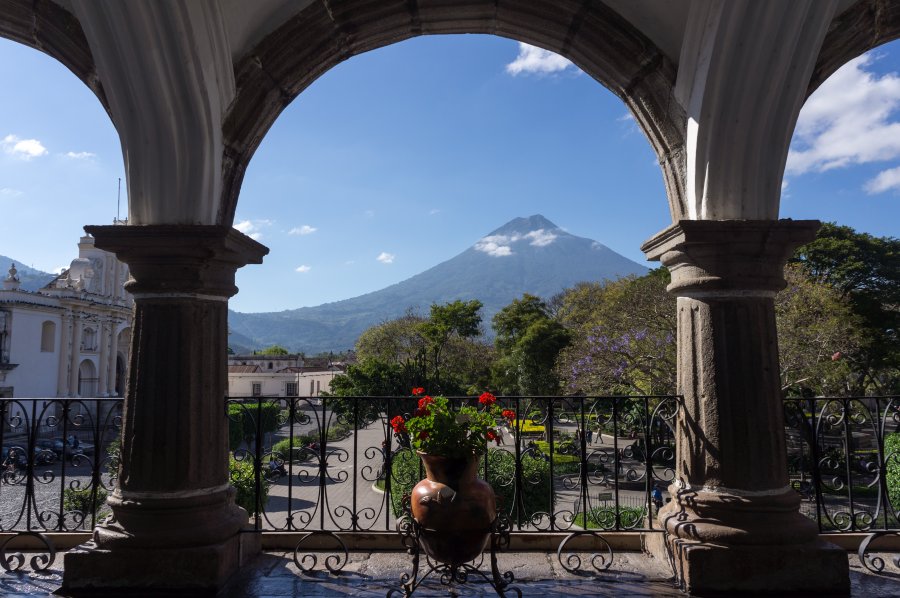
59	461
844	461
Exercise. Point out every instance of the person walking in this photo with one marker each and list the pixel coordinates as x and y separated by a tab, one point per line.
657	497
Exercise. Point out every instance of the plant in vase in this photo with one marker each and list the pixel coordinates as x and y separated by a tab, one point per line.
453	508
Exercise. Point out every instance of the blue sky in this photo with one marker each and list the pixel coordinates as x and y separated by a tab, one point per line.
403	157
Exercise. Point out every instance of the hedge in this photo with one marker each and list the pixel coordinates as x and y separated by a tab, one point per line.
243	418
892	469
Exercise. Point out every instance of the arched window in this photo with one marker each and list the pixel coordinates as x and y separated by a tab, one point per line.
48	337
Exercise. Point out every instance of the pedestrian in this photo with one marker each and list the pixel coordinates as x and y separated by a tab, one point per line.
590	436
657	497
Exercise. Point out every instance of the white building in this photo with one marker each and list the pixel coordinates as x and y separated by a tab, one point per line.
71	338
259	376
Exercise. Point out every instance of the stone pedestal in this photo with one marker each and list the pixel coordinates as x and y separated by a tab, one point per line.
733	524
176	525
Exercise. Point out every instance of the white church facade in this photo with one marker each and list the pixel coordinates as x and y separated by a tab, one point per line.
70	338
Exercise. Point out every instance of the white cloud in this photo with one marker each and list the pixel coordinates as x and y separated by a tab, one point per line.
885	181
303	230
537	60
9	192
500	245
849	120
541	237
434	211
26	149
495	245
252	228
80	155
628	116
303	269
386	258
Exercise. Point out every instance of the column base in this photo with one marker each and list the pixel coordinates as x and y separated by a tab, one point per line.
705	569
179	571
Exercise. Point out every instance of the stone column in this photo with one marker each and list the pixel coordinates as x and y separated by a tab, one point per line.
733	524
103	358
62	373
176	525
75	356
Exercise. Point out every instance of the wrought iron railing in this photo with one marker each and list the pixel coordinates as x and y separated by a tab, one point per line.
575	465
57	465
578	466
844	460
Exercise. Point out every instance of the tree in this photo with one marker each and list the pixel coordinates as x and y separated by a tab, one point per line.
273	350
528	342
623	336
443	353
819	335
457	320
866	271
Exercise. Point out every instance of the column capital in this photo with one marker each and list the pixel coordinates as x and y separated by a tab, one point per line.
179	258
728	257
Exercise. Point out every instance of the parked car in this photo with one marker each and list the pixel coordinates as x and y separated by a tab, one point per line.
70	447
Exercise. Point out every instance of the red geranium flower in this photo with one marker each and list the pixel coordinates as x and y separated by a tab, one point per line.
490	435
487	398
423	435
417	391
509	414
425	401
399	424
420	412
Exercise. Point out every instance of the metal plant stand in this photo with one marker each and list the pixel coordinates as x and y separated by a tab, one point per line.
452	575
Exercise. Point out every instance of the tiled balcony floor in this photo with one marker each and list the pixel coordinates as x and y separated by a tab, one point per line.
372	574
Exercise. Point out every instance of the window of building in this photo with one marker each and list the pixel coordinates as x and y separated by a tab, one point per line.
270	365
48	337
312	388
291	389
89	340
318	388
257	389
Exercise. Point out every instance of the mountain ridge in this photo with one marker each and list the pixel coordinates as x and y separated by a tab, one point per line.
32	279
528	254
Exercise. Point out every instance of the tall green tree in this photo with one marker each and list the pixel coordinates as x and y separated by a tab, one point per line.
273	350
819	336
866	271
623	336
443	353
528	342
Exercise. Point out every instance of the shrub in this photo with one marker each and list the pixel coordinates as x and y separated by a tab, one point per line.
605	517
245	419
892	469
79	500
242	478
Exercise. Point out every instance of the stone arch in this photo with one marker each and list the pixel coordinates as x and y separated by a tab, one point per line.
867	24
593	36
46	26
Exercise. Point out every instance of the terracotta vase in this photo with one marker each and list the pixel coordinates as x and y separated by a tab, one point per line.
454	509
